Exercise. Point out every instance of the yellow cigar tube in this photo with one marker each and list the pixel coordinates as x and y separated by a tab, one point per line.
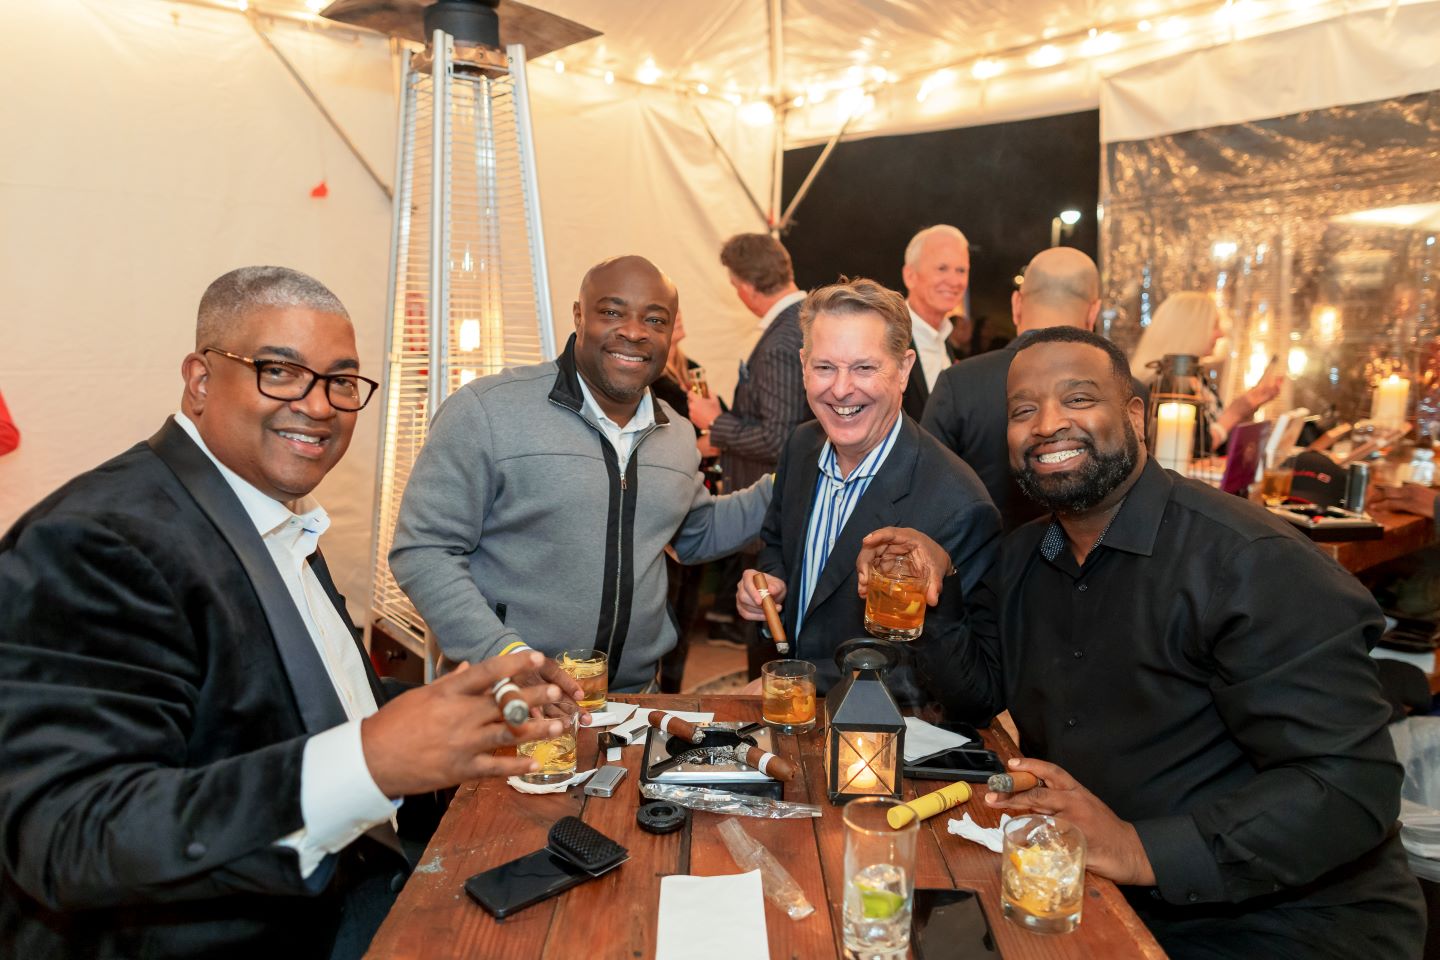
923	808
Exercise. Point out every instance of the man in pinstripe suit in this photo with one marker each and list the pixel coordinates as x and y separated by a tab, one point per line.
770	395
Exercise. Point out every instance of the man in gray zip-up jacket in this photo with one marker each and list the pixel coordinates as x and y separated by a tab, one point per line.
540	506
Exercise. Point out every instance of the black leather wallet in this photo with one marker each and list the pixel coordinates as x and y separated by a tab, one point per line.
584	846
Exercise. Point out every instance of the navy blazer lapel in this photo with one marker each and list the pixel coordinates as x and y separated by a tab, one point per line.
874	510
315	695
799	495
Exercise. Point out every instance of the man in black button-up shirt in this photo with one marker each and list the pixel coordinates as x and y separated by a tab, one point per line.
1203	670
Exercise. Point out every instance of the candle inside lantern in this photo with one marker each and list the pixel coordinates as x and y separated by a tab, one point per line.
1391	400
861	777
1175	435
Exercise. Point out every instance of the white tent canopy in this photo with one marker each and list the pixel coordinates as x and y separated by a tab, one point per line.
155	144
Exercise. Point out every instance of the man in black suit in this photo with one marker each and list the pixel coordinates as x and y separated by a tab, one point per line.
966	410
860	464
192	763
936	275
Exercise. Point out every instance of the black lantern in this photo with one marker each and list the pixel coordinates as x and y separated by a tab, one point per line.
864	729
1177	429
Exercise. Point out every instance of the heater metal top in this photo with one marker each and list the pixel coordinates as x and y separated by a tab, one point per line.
539	31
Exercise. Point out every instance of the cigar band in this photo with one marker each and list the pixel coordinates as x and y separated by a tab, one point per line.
764	764
763	594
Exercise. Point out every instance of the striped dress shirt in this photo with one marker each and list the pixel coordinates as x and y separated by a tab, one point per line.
830	508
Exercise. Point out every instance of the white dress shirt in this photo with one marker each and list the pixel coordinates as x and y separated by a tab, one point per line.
779	307
338	798
622	439
930	346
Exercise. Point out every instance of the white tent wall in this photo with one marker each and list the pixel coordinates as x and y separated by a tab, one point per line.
151	146
1357	58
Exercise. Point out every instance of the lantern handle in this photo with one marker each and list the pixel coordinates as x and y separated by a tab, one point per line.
867	653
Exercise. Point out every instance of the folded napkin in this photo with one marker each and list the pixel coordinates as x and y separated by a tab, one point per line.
612	714
636	724
985	836
712	918
560	787
925	740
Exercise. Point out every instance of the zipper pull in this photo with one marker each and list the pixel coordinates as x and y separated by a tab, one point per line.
624	483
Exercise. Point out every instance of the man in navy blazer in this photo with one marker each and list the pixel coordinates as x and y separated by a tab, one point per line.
862	462
196	758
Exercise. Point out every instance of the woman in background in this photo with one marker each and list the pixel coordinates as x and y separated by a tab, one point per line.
1192	324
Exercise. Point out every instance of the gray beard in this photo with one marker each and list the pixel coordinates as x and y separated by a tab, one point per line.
1082	489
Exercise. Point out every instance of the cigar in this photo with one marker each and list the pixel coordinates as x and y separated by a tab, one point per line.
766	763
673	725
512	705
922	808
772	616
1016	782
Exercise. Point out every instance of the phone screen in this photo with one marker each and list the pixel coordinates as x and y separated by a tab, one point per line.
964	763
518	884
951	923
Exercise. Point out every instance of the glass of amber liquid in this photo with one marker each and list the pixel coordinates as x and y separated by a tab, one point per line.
1042	873
556	755
895	597
788	687
591	669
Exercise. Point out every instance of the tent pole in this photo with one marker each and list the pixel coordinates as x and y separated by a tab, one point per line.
777	97
734	170
784	223
334	124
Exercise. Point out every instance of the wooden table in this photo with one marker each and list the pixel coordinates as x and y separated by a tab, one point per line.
615	916
1404	533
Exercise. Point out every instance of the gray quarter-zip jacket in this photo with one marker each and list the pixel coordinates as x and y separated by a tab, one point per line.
517	499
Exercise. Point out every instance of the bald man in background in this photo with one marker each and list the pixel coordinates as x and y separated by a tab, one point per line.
966	410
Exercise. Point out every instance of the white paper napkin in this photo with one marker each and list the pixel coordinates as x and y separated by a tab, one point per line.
612	714
712	918
560	787
637	723
925	740
985	836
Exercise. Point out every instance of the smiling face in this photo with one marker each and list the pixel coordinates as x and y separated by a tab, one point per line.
938	278
623	326
284	448
853	382
1074	430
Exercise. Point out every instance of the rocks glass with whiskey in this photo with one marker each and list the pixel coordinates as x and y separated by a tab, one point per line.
1042	873
556	755
788	689
590	669
895	597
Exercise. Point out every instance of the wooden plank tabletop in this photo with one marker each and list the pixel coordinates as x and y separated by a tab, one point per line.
1404	533
615	915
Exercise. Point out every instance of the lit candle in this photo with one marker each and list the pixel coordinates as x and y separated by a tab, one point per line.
860	776
1175	435
1391	400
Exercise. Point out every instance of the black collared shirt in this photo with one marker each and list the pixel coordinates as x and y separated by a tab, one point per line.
1206	674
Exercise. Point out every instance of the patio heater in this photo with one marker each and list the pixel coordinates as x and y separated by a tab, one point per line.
468	289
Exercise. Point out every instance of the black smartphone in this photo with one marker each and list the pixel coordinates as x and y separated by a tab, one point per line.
951	923
971	764
511	887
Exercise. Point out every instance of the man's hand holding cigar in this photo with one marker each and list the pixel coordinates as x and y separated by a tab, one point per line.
1113	848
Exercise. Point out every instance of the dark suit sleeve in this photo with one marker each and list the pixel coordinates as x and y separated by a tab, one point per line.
942	417
776	385
101	668
961	666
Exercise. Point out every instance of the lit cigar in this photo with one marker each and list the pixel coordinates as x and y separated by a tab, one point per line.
674	726
922	808
766	763
512	705
1017	782
772	616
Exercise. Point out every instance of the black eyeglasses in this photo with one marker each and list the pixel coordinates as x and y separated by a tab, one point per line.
282	380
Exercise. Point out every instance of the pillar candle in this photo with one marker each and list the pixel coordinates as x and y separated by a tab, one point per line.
1391	401
1175	435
